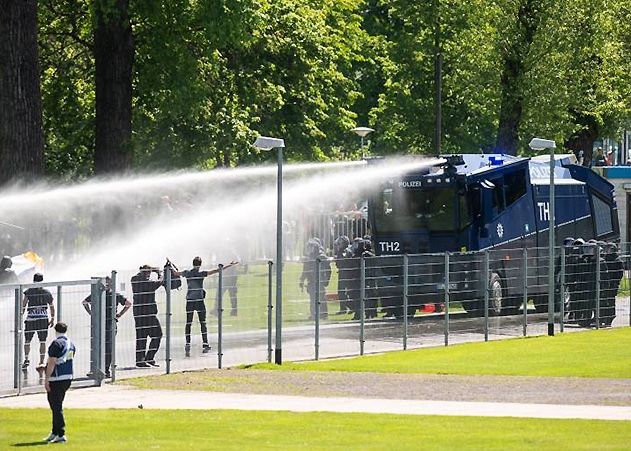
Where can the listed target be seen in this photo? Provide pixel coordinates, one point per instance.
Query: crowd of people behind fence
(585, 263)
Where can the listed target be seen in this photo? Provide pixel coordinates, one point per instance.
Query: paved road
(122, 397)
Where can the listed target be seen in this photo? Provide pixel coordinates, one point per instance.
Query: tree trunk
(583, 140)
(512, 75)
(21, 135)
(114, 58)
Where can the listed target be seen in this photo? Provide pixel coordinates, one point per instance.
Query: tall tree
(21, 136)
(114, 59)
(515, 45)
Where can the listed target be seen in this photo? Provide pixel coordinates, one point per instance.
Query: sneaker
(142, 365)
(187, 350)
(206, 349)
(233, 312)
(49, 438)
(108, 374)
(152, 363)
(58, 439)
(25, 364)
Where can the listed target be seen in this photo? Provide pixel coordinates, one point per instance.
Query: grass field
(602, 353)
(227, 430)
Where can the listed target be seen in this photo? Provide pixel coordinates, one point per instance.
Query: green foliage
(209, 76)
(68, 96)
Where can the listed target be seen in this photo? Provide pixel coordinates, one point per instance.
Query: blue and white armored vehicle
(484, 201)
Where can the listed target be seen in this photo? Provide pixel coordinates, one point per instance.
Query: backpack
(176, 281)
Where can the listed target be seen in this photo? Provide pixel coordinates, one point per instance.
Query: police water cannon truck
(476, 202)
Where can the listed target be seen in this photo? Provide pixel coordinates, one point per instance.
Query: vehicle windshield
(408, 209)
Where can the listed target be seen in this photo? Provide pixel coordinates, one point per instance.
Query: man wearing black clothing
(195, 295)
(120, 300)
(146, 315)
(36, 302)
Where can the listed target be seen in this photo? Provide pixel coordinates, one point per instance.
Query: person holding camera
(145, 312)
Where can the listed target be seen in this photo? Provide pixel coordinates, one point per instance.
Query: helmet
(6, 262)
(313, 248)
(358, 247)
(341, 243)
(568, 241)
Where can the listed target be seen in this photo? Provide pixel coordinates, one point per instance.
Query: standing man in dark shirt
(120, 300)
(36, 302)
(58, 378)
(146, 315)
(195, 295)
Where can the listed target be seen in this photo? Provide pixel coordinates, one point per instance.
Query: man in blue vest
(57, 381)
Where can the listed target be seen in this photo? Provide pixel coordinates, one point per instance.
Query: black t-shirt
(195, 284)
(120, 300)
(144, 295)
(38, 299)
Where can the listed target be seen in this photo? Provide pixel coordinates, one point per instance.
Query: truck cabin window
(409, 209)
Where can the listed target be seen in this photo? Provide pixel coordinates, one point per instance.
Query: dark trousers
(56, 397)
(312, 302)
(147, 326)
(231, 288)
(191, 308)
(108, 346)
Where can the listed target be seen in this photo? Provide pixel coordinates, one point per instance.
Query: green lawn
(226, 430)
(603, 353)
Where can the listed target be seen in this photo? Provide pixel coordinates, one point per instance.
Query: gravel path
(506, 389)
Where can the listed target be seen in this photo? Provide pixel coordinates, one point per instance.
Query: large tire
(497, 296)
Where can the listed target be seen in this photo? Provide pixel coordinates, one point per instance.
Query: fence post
(220, 318)
(446, 298)
(362, 302)
(405, 300)
(317, 308)
(114, 327)
(485, 275)
(269, 311)
(525, 291)
(597, 286)
(17, 341)
(562, 288)
(167, 273)
(97, 325)
(59, 306)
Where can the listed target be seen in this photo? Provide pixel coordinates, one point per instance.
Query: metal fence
(330, 308)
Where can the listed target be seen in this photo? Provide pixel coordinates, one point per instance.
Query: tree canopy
(206, 77)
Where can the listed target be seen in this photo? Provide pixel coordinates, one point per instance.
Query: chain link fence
(331, 308)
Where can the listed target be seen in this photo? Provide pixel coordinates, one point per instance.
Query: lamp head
(265, 142)
(540, 144)
(362, 131)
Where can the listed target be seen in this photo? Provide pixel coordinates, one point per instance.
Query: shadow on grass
(37, 443)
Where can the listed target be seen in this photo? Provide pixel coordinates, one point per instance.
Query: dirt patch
(517, 389)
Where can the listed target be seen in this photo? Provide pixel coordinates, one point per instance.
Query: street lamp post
(541, 144)
(362, 132)
(264, 142)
